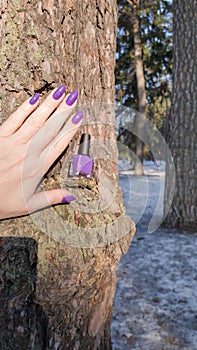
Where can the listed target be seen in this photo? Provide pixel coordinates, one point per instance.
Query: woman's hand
(31, 140)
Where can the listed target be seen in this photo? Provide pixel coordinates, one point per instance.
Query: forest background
(155, 35)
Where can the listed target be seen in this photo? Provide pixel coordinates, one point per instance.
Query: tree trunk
(138, 168)
(58, 266)
(182, 120)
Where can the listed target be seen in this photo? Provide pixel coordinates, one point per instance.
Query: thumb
(45, 199)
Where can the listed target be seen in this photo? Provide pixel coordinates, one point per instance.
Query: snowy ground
(155, 305)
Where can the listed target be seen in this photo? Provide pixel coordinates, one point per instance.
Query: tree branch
(132, 2)
(126, 13)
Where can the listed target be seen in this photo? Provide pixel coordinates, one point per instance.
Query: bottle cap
(84, 145)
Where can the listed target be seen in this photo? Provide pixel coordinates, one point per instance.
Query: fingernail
(34, 99)
(68, 199)
(77, 117)
(59, 92)
(72, 98)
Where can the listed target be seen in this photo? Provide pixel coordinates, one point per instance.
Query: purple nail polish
(72, 98)
(77, 117)
(34, 99)
(59, 92)
(68, 199)
(82, 164)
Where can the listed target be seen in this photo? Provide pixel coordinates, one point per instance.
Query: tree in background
(58, 294)
(155, 34)
(182, 130)
(141, 90)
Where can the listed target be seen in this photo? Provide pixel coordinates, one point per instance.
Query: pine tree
(58, 282)
(182, 130)
(156, 39)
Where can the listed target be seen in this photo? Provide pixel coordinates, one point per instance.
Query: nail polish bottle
(82, 164)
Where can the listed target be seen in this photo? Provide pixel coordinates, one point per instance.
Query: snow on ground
(155, 306)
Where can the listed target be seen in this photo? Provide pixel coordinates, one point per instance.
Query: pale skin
(31, 139)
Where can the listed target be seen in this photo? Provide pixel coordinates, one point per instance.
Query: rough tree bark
(183, 120)
(56, 294)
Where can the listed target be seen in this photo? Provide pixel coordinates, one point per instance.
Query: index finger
(14, 122)
(41, 114)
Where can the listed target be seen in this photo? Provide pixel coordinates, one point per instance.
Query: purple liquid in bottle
(82, 164)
